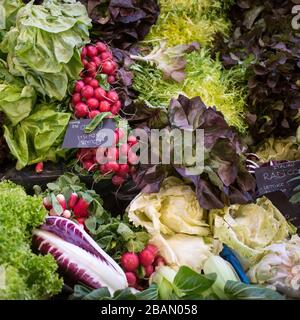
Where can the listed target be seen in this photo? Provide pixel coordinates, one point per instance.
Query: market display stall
(86, 86)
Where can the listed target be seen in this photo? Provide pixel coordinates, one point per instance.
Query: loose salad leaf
(249, 229)
(3, 146)
(8, 11)
(242, 291)
(121, 23)
(169, 60)
(19, 215)
(60, 28)
(38, 137)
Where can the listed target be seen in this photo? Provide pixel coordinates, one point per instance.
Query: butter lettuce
(174, 209)
(43, 47)
(38, 137)
(175, 222)
(249, 229)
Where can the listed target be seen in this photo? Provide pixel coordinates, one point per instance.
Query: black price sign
(102, 136)
(278, 183)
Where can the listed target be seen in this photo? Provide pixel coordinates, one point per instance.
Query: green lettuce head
(43, 47)
(249, 229)
(280, 267)
(174, 219)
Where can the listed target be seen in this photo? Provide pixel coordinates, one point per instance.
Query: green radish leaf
(98, 294)
(190, 282)
(149, 294)
(96, 122)
(55, 204)
(295, 198)
(241, 291)
(102, 79)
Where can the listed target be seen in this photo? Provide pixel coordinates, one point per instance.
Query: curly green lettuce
(24, 274)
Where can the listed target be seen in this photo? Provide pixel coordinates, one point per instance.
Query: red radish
(112, 166)
(84, 51)
(149, 270)
(120, 133)
(81, 110)
(94, 83)
(79, 85)
(96, 60)
(92, 103)
(88, 165)
(106, 55)
(91, 51)
(84, 62)
(87, 80)
(114, 110)
(73, 200)
(123, 169)
(113, 154)
(124, 149)
(146, 257)
(67, 214)
(130, 261)
(131, 279)
(76, 98)
(152, 248)
(47, 203)
(117, 104)
(111, 79)
(101, 47)
(87, 92)
(81, 208)
(133, 158)
(81, 222)
(132, 140)
(117, 180)
(39, 167)
(100, 94)
(104, 106)
(85, 154)
(159, 261)
(62, 201)
(108, 67)
(91, 68)
(112, 95)
(93, 114)
(103, 168)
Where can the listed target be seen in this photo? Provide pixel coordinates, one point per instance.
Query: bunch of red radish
(76, 207)
(89, 98)
(139, 267)
(89, 158)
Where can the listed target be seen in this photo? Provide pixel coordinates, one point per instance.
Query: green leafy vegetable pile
(204, 77)
(43, 46)
(225, 179)
(264, 41)
(121, 23)
(185, 21)
(27, 275)
(186, 284)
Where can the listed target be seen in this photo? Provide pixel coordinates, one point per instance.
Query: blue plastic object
(229, 256)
